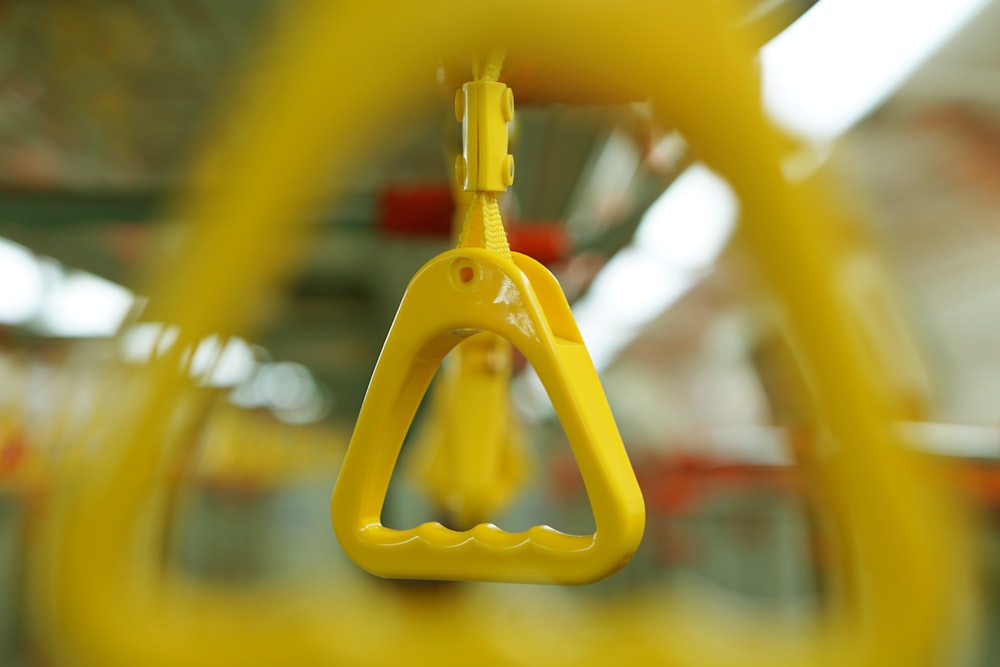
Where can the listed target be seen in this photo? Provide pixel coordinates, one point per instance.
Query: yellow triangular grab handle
(455, 295)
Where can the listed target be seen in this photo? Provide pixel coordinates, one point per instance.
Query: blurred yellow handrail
(326, 92)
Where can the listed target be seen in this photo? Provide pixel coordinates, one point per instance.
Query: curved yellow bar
(332, 83)
(461, 293)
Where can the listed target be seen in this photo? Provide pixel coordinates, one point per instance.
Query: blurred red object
(12, 453)
(416, 210)
(428, 209)
(546, 242)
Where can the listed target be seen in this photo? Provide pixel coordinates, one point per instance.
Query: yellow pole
(340, 75)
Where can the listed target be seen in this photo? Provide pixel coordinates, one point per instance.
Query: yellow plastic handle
(471, 403)
(458, 294)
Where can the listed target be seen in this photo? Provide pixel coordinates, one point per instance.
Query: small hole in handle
(463, 273)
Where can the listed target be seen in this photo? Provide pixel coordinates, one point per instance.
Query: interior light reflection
(845, 57)
(83, 305)
(22, 281)
(690, 223)
(678, 239)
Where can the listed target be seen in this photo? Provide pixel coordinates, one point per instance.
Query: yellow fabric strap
(483, 226)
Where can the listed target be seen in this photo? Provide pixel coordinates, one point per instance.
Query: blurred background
(104, 104)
